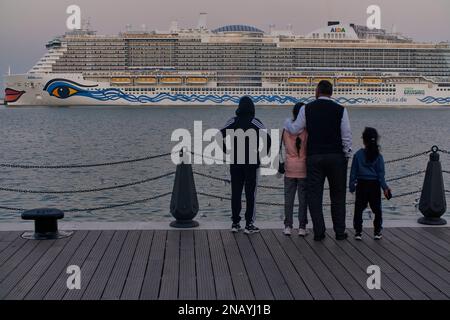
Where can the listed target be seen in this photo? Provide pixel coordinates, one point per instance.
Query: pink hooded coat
(295, 162)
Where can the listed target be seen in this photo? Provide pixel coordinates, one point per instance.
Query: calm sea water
(100, 134)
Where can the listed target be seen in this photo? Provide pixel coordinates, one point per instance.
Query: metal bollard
(432, 202)
(45, 224)
(184, 203)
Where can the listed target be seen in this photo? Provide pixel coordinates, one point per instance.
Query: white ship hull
(73, 90)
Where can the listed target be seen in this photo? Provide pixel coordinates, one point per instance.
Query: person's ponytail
(370, 139)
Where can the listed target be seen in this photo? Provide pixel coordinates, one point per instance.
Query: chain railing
(135, 183)
(143, 181)
(73, 166)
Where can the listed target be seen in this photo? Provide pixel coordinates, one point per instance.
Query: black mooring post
(432, 200)
(45, 224)
(184, 203)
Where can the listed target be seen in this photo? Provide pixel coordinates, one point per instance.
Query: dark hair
(325, 87)
(295, 112)
(370, 138)
(296, 109)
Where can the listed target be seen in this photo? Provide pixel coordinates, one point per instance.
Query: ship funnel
(174, 26)
(202, 21)
(271, 28)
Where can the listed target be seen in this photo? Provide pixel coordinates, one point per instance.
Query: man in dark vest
(328, 150)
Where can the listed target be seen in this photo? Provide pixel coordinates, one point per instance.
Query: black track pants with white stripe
(243, 176)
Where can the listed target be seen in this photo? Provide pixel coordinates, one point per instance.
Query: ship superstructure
(202, 66)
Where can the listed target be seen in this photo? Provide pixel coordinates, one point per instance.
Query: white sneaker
(287, 231)
(303, 232)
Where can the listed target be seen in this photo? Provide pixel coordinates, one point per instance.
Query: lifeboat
(146, 80)
(347, 81)
(121, 80)
(317, 80)
(196, 80)
(298, 80)
(171, 80)
(371, 81)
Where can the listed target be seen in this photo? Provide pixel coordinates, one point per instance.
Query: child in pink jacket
(295, 177)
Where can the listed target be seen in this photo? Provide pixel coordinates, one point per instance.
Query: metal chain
(406, 176)
(282, 204)
(99, 208)
(229, 181)
(12, 208)
(88, 190)
(282, 188)
(408, 157)
(120, 204)
(69, 166)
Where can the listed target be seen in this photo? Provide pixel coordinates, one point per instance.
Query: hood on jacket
(246, 107)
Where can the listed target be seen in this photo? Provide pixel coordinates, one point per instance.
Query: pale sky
(26, 25)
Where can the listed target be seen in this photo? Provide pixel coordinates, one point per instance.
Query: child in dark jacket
(367, 179)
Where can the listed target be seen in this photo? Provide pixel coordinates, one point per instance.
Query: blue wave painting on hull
(61, 89)
(430, 100)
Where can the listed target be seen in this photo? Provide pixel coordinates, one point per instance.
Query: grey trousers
(293, 186)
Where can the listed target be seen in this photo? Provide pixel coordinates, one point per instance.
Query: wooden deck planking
(376, 256)
(206, 288)
(274, 277)
(135, 278)
(430, 254)
(188, 279)
(353, 287)
(116, 280)
(424, 257)
(90, 265)
(256, 276)
(358, 274)
(170, 275)
(430, 241)
(333, 286)
(94, 289)
(59, 287)
(47, 279)
(241, 282)
(152, 277)
(15, 256)
(33, 258)
(389, 286)
(222, 274)
(306, 272)
(215, 264)
(292, 278)
(428, 281)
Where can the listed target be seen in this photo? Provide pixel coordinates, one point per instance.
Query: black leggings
(368, 192)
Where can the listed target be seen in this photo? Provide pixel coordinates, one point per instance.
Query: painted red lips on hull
(12, 95)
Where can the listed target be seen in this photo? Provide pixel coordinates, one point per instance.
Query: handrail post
(432, 202)
(184, 203)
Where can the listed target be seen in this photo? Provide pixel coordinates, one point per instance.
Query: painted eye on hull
(63, 92)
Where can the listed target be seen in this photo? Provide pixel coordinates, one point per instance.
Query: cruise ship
(202, 66)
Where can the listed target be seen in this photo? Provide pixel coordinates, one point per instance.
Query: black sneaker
(249, 229)
(319, 237)
(235, 227)
(342, 236)
(378, 236)
(358, 236)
